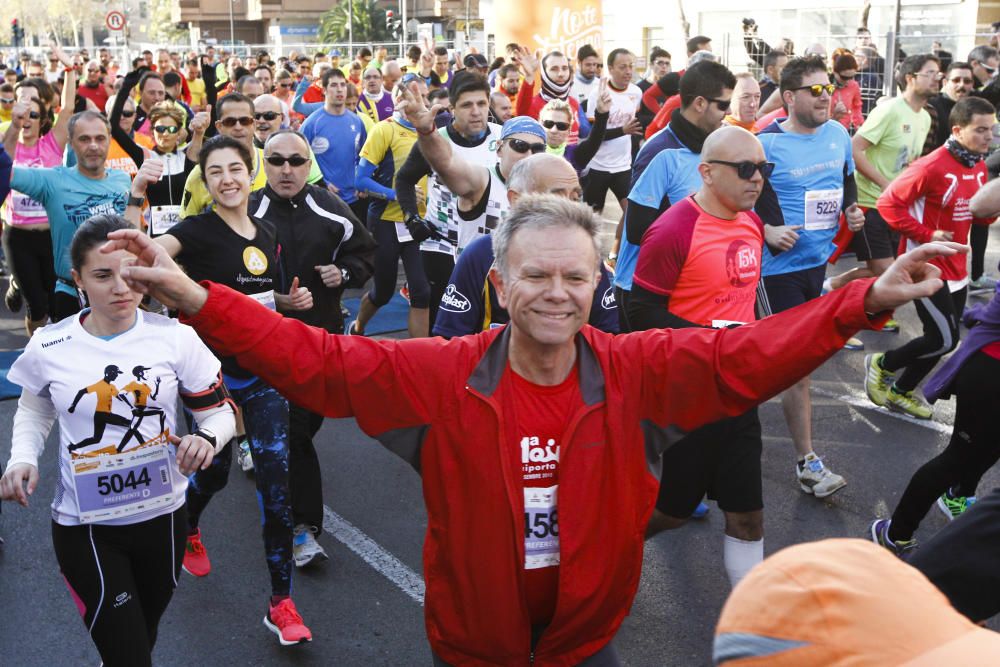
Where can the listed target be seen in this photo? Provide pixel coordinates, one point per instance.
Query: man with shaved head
(699, 265)
(469, 304)
(391, 74)
(269, 114)
(327, 249)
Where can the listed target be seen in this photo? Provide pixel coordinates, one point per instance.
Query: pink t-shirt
(22, 209)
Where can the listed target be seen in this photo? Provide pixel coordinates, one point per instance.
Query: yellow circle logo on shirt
(254, 260)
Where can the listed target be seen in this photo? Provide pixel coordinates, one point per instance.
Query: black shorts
(722, 460)
(787, 290)
(597, 184)
(876, 240)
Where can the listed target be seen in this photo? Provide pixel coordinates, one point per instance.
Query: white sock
(827, 285)
(740, 556)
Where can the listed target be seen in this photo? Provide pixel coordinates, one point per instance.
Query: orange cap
(845, 602)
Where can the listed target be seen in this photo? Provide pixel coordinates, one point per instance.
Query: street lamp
(232, 32)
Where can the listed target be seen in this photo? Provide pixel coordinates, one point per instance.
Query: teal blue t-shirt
(70, 198)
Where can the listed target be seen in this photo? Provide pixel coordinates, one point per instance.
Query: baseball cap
(475, 60)
(335, 53)
(522, 124)
(844, 602)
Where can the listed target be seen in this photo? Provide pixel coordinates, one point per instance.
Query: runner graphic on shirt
(102, 412)
(142, 393)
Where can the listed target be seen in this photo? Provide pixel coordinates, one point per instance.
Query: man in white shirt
(611, 167)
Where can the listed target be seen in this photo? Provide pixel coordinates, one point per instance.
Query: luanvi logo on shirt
(122, 598)
(53, 342)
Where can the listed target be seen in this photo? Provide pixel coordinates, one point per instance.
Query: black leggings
(305, 482)
(387, 255)
(940, 314)
(974, 446)
(122, 579)
(979, 235)
(29, 254)
(438, 267)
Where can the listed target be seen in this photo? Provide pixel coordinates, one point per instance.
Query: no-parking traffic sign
(115, 20)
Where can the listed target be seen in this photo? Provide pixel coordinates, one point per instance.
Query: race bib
(541, 528)
(823, 209)
(26, 207)
(115, 486)
(162, 218)
(265, 299)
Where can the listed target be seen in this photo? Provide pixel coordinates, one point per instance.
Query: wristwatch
(207, 435)
(136, 201)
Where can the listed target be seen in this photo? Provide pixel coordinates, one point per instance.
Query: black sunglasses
(746, 168)
(167, 129)
(266, 115)
(280, 160)
(522, 146)
(245, 121)
(7, 100)
(287, 85)
(723, 105)
(818, 89)
(549, 124)
(127, 114)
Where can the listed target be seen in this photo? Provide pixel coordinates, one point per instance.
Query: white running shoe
(305, 548)
(817, 479)
(243, 457)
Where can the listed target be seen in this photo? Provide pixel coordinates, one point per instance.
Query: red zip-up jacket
(933, 193)
(434, 402)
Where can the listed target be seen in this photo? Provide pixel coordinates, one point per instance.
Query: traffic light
(392, 23)
(16, 31)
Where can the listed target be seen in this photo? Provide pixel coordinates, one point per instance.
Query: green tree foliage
(369, 23)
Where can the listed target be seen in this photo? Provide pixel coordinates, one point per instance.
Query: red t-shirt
(707, 266)
(539, 417)
(98, 95)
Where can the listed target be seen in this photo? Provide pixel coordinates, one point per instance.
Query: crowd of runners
(179, 232)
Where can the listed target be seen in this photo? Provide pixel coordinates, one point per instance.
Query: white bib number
(265, 299)
(823, 209)
(115, 486)
(541, 528)
(162, 218)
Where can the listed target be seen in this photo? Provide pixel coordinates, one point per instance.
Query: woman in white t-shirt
(112, 375)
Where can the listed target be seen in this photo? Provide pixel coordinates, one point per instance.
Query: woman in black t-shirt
(229, 247)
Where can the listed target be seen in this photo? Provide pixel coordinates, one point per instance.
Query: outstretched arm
(466, 181)
(742, 378)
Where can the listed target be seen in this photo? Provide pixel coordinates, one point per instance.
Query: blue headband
(522, 125)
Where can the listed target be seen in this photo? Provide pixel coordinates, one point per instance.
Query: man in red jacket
(526, 437)
(929, 202)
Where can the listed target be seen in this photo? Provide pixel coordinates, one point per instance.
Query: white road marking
(859, 400)
(856, 416)
(372, 553)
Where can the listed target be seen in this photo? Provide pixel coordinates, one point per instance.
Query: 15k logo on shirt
(742, 263)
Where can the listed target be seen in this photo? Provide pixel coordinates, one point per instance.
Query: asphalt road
(361, 616)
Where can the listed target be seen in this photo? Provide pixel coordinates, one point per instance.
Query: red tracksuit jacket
(933, 193)
(434, 403)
